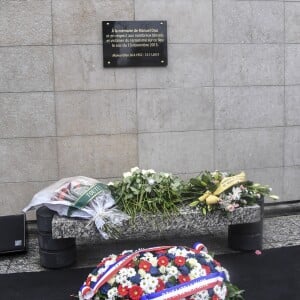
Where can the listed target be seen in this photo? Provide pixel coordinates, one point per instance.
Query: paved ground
(279, 231)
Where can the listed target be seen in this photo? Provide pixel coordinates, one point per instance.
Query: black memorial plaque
(134, 43)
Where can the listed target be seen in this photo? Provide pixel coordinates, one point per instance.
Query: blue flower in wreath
(154, 271)
(136, 279)
(105, 288)
(170, 256)
(184, 270)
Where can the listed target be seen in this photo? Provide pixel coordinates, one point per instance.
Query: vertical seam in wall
(213, 84)
(284, 103)
(136, 106)
(54, 93)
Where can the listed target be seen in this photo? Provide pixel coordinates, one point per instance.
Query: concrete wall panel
(292, 146)
(246, 107)
(291, 183)
(188, 23)
(96, 112)
(292, 98)
(80, 67)
(177, 152)
(79, 21)
(249, 148)
(248, 21)
(252, 64)
(292, 64)
(292, 23)
(26, 69)
(25, 22)
(27, 115)
(175, 109)
(15, 196)
(97, 156)
(28, 159)
(189, 66)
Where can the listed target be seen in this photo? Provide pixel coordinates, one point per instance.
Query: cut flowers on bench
(147, 191)
(224, 191)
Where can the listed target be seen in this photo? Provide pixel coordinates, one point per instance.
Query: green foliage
(233, 292)
(145, 191)
(238, 195)
(148, 192)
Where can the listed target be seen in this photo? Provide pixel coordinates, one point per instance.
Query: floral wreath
(162, 273)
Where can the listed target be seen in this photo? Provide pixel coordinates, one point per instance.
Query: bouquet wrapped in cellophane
(82, 197)
(162, 273)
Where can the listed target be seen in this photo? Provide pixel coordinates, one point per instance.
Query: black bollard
(247, 237)
(54, 253)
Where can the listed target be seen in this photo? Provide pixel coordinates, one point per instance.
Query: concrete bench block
(146, 227)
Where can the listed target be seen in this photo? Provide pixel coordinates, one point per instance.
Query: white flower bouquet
(82, 197)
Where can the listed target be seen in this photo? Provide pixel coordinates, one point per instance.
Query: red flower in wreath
(179, 261)
(215, 297)
(162, 261)
(122, 290)
(135, 292)
(207, 269)
(145, 265)
(160, 286)
(130, 264)
(183, 278)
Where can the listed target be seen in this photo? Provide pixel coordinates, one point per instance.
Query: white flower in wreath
(134, 169)
(192, 262)
(112, 293)
(181, 252)
(142, 273)
(220, 291)
(223, 270)
(120, 278)
(197, 272)
(147, 276)
(207, 257)
(203, 295)
(172, 270)
(147, 255)
(123, 272)
(131, 272)
(165, 277)
(149, 284)
(153, 261)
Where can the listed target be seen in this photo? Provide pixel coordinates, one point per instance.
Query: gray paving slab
(4, 264)
(26, 263)
(281, 229)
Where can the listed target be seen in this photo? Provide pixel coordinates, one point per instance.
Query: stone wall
(229, 98)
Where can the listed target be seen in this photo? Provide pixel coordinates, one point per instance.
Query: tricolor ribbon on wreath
(90, 288)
